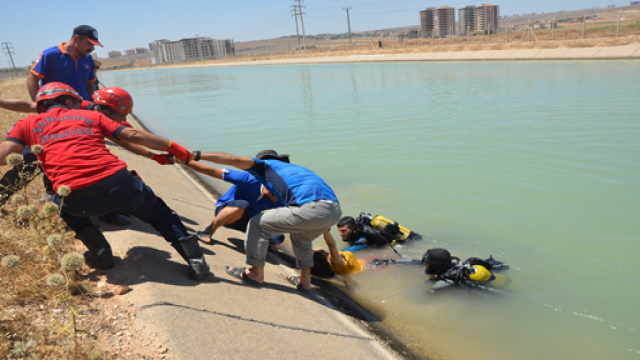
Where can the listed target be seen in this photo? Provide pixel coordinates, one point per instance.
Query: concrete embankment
(626, 52)
(220, 317)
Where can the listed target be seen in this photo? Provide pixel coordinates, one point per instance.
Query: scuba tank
(399, 232)
(381, 231)
(472, 274)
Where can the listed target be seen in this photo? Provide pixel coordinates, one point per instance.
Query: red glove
(163, 159)
(179, 152)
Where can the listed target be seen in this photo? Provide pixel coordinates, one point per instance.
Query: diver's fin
(495, 264)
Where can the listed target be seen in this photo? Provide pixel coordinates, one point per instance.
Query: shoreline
(622, 52)
(368, 321)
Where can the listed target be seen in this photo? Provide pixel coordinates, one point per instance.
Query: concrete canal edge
(369, 322)
(625, 52)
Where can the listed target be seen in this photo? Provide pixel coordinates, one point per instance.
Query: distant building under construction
(437, 22)
(467, 20)
(427, 22)
(191, 49)
(445, 21)
(478, 19)
(486, 18)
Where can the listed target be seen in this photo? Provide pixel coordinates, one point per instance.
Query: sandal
(295, 281)
(205, 237)
(240, 273)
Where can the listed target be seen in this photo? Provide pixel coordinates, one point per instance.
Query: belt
(117, 179)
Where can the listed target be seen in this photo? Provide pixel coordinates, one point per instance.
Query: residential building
(191, 49)
(445, 21)
(130, 52)
(487, 18)
(114, 53)
(427, 22)
(141, 50)
(467, 19)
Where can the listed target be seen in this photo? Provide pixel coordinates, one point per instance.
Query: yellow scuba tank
(399, 232)
(479, 274)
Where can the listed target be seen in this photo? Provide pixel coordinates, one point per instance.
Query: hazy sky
(32, 26)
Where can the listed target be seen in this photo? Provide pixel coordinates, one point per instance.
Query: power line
(295, 14)
(304, 44)
(348, 22)
(266, 22)
(370, 5)
(10, 50)
(380, 12)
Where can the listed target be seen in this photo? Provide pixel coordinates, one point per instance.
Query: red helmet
(114, 97)
(54, 89)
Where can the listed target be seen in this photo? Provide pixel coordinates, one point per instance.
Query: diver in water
(446, 270)
(368, 230)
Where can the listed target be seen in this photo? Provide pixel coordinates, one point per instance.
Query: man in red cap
(69, 63)
(93, 181)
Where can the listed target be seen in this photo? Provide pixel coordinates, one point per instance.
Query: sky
(128, 24)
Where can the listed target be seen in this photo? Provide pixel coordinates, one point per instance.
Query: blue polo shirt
(246, 187)
(55, 64)
(293, 184)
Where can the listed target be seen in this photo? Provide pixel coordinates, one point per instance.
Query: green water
(535, 163)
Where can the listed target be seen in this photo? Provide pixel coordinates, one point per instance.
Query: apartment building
(437, 22)
(486, 18)
(466, 20)
(191, 49)
(445, 21)
(427, 22)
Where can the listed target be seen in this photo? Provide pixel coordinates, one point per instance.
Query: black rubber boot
(189, 249)
(99, 255)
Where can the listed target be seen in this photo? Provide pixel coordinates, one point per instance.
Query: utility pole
(295, 14)
(618, 27)
(348, 23)
(299, 6)
(9, 50)
(507, 32)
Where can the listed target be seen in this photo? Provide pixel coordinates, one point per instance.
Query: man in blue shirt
(69, 63)
(310, 207)
(246, 198)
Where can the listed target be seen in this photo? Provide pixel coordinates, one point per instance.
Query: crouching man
(70, 147)
(308, 206)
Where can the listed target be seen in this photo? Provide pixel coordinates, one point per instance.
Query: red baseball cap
(88, 32)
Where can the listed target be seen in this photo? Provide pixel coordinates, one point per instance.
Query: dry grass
(39, 321)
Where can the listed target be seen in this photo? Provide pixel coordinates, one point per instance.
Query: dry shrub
(549, 45)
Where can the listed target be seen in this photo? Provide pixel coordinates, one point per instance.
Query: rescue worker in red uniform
(74, 155)
(115, 103)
